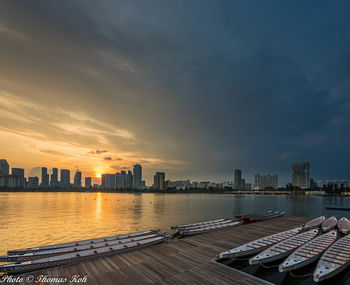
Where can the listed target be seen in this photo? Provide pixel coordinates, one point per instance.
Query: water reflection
(31, 219)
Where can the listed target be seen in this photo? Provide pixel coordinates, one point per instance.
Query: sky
(193, 88)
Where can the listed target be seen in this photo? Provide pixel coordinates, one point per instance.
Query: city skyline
(192, 90)
(300, 177)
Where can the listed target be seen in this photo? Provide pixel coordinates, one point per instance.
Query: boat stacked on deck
(213, 225)
(204, 227)
(318, 239)
(35, 258)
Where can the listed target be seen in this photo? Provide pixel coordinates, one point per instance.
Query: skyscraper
(137, 176)
(108, 181)
(237, 179)
(263, 181)
(77, 179)
(87, 182)
(44, 178)
(54, 178)
(159, 180)
(257, 181)
(4, 167)
(65, 178)
(17, 172)
(129, 179)
(121, 180)
(301, 175)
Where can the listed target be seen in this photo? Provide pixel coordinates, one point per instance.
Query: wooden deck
(186, 261)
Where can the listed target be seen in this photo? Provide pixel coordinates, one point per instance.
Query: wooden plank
(185, 261)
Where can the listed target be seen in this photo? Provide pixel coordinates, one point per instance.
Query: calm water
(33, 219)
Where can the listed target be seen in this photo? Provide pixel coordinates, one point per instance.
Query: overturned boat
(283, 248)
(209, 228)
(198, 224)
(329, 224)
(334, 260)
(343, 226)
(309, 252)
(259, 245)
(80, 256)
(78, 243)
(315, 223)
(65, 250)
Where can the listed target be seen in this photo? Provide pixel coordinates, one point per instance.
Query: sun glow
(98, 175)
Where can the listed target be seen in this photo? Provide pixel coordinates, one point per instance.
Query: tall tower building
(44, 178)
(137, 176)
(159, 180)
(54, 178)
(237, 179)
(301, 175)
(77, 179)
(257, 181)
(65, 178)
(87, 182)
(4, 168)
(129, 179)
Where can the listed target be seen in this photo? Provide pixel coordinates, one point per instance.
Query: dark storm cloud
(219, 85)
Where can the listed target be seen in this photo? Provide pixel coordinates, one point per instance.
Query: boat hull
(76, 258)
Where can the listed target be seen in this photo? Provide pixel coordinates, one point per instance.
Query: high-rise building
(77, 179)
(242, 184)
(237, 179)
(33, 182)
(263, 181)
(121, 180)
(108, 181)
(137, 179)
(129, 179)
(257, 181)
(54, 178)
(319, 183)
(301, 175)
(65, 178)
(87, 182)
(159, 180)
(4, 167)
(44, 178)
(17, 172)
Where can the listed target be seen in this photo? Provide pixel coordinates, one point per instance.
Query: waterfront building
(54, 178)
(33, 182)
(203, 184)
(65, 178)
(120, 180)
(159, 180)
(179, 185)
(319, 183)
(263, 181)
(237, 179)
(242, 184)
(137, 179)
(129, 179)
(77, 179)
(17, 172)
(44, 178)
(248, 186)
(227, 184)
(108, 181)
(257, 181)
(4, 167)
(87, 182)
(301, 175)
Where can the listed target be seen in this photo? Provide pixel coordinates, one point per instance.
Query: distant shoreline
(170, 191)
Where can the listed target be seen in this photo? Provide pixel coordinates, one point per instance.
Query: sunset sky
(192, 88)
